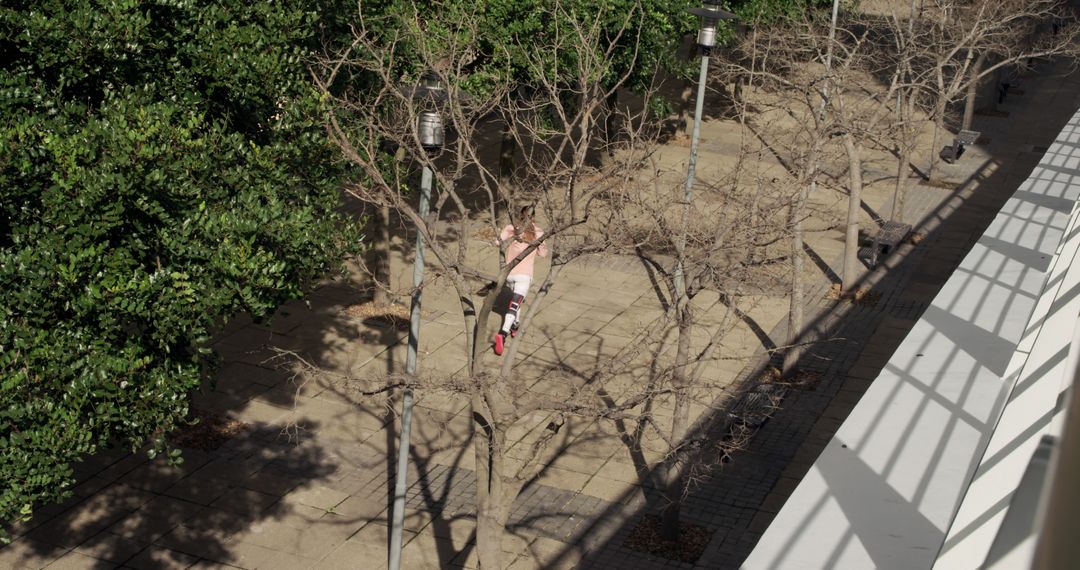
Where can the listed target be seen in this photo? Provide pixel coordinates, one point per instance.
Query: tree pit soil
(804, 380)
(861, 296)
(645, 537)
(942, 184)
(393, 315)
(990, 113)
(208, 432)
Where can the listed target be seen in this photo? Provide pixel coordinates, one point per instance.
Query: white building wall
(884, 492)
(1037, 399)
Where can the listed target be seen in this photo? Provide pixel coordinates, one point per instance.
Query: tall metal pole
(401, 476)
(710, 14)
(691, 169)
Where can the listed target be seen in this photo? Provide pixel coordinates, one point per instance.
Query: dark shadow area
(762, 336)
(502, 303)
(145, 513)
(821, 264)
(652, 269)
(873, 215)
(440, 499)
(719, 102)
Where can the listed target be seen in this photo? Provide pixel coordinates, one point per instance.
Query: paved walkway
(862, 338)
(307, 486)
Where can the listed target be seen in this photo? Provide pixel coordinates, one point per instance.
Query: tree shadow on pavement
(739, 501)
(142, 513)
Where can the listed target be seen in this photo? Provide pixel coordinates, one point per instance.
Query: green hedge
(162, 167)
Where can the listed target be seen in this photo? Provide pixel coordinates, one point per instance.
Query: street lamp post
(431, 134)
(710, 14)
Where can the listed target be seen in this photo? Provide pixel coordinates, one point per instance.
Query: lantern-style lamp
(430, 83)
(431, 130)
(710, 14)
(430, 123)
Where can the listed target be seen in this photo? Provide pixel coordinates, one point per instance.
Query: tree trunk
(900, 192)
(381, 262)
(795, 314)
(673, 475)
(507, 147)
(996, 84)
(491, 508)
(683, 122)
(755, 205)
(795, 221)
(907, 108)
(851, 238)
(939, 125)
(611, 128)
(973, 92)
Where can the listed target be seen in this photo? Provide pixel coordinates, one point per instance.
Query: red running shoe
(513, 331)
(499, 339)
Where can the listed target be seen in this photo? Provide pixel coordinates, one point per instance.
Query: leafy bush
(162, 166)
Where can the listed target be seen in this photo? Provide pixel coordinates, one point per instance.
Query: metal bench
(951, 153)
(887, 238)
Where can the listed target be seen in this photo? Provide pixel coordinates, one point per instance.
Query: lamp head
(430, 82)
(710, 14)
(431, 131)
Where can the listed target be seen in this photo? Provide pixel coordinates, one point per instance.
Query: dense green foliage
(511, 36)
(647, 33)
(162, 167)
(770, 10)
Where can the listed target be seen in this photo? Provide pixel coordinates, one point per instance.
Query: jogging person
(521, 275)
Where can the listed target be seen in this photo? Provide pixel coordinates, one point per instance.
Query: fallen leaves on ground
(646, 538)
(804, 380)
(209, 432)
(392, 314)
(861, 296)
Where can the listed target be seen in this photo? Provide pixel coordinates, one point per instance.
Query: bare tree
(859, 106)
(553, 125)
(698, 245)
(961, 42)
(824, 77)
(787, 60)
(906, 127)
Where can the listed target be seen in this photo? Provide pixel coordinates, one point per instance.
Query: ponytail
(528, 233)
